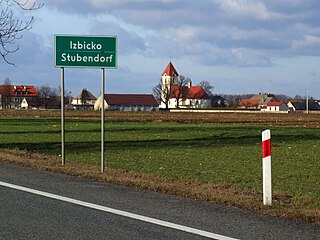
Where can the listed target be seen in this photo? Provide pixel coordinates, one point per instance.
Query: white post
(266, 167)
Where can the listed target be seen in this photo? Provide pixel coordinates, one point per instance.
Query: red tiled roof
(20, 90)
(195, 92)
(170, 70)
(249, 102)
(274, 104)
(295, 100)
(131, 99)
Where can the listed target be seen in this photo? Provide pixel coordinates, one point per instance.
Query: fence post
(266, 167)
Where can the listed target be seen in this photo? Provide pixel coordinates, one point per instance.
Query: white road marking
(119, 212)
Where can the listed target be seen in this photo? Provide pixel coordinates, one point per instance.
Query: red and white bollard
(266, 167)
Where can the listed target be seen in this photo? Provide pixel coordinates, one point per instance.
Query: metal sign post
(62, 118)
(89, 52)
(102, 119)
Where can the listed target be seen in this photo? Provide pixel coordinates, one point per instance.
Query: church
(178, 94)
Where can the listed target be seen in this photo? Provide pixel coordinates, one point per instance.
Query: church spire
(170, 70)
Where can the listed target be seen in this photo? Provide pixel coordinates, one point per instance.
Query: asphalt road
(42, 205)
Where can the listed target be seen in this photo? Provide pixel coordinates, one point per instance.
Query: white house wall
(24, 104)
(188, 103)
(79, 102)
(282, 108)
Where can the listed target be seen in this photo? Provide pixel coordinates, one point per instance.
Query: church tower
(170, 78)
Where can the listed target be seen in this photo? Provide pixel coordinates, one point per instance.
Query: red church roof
(20, 90)
(195, 92)
(170, 70)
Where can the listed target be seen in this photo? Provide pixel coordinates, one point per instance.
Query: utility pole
(307, 101)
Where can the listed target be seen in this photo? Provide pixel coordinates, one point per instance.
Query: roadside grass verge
(214, 162)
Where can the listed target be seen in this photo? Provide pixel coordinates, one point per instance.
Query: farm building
(298, 105)
(128, 102)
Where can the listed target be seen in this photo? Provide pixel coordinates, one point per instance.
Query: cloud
(309, 41)
(240, 8)
(206, 34)
(185, 29)
(129, 41)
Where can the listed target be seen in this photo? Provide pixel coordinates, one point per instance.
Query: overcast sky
(239, 46)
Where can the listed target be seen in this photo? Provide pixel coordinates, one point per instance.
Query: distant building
(275, 107)
(249, 103)
(301, 105)
(29, 103)
(190, 97)
(181, 96)
(11, 96)
(41, 103)
(128, 102)
(84, 100)
(258, 101)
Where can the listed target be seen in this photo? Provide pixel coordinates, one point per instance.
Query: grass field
(226, 153)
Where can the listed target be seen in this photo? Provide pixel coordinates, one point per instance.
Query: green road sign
(85, 51)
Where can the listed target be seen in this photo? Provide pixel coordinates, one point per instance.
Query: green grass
(207, 152)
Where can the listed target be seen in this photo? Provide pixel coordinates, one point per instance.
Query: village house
(249, 103)
(128, 102)
(28, 103)
(11, 96)
(181, 96)
(84, 100)
(258, 101)
(275, 107)
(41, 103)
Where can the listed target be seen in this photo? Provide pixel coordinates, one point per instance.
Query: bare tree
(207, 87)
(162, 93)
(46, 93)
(86, 97)
(180, 92)
(5, 94)
(298, 97)
(11, 25)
